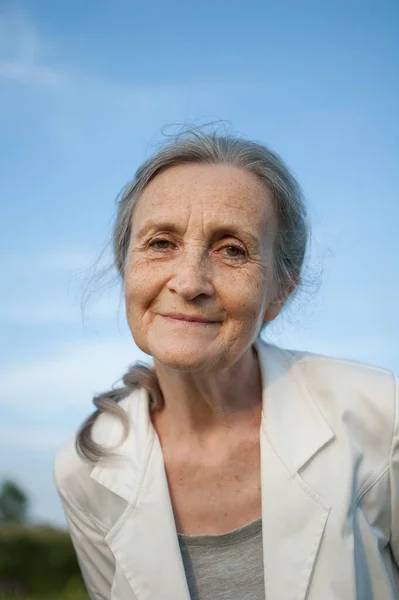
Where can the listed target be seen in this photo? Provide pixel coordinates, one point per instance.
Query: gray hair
(197, 146)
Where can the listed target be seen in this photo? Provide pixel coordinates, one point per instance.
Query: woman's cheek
(144, 282)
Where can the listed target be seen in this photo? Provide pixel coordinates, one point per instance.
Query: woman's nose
(192, 277)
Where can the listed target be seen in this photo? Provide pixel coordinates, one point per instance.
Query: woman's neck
(201, 404)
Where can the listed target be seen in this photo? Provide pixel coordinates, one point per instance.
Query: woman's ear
(273, 310)
(274, 307)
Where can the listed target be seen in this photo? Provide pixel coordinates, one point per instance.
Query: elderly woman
(231, 468)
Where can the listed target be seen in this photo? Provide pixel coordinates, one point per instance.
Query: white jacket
(330, 490)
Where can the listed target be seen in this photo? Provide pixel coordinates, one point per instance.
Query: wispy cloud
(70, 286)
(83, 107)
(39, 311)
(27, 56)
(23, 70)
(63, 261)
(22, 53)
(70, 261)
(68, 379)
(30, 438)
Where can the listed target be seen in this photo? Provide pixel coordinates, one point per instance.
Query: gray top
(226, 566)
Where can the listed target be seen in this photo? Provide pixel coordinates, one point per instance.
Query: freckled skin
(201, 244)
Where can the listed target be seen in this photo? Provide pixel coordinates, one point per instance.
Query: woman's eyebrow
(153, 226)
(217, 231)
(232, 230)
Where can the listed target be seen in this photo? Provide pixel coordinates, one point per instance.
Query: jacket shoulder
(68, 465)
(319, 368)
(72, 472)
(76, 477)
(354, 397)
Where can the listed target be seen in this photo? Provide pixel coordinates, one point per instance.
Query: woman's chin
(185, 357)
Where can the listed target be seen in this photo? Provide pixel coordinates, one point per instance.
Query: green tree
(13, 503)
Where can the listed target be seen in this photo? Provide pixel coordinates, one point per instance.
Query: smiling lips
(189, 318)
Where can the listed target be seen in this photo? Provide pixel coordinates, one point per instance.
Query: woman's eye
(160, 244)
(234, 251)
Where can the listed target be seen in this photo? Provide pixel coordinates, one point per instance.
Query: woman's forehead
(222, 193)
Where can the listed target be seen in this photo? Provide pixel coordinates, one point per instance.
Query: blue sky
(85, 90)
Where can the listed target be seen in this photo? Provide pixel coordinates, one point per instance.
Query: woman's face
(199, 271)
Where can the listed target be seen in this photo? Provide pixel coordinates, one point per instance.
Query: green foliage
(75, 594)
(40, 562)
(13, 503)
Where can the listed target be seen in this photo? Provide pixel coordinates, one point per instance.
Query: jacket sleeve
(95, 559)
(395, 481)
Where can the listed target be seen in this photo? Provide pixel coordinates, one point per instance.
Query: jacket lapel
(293, 515)
(144, 539)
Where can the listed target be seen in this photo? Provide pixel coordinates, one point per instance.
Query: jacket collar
(123, 473)
(144, 540)
(290, 418)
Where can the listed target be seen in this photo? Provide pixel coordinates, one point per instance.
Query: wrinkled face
(199, 277)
